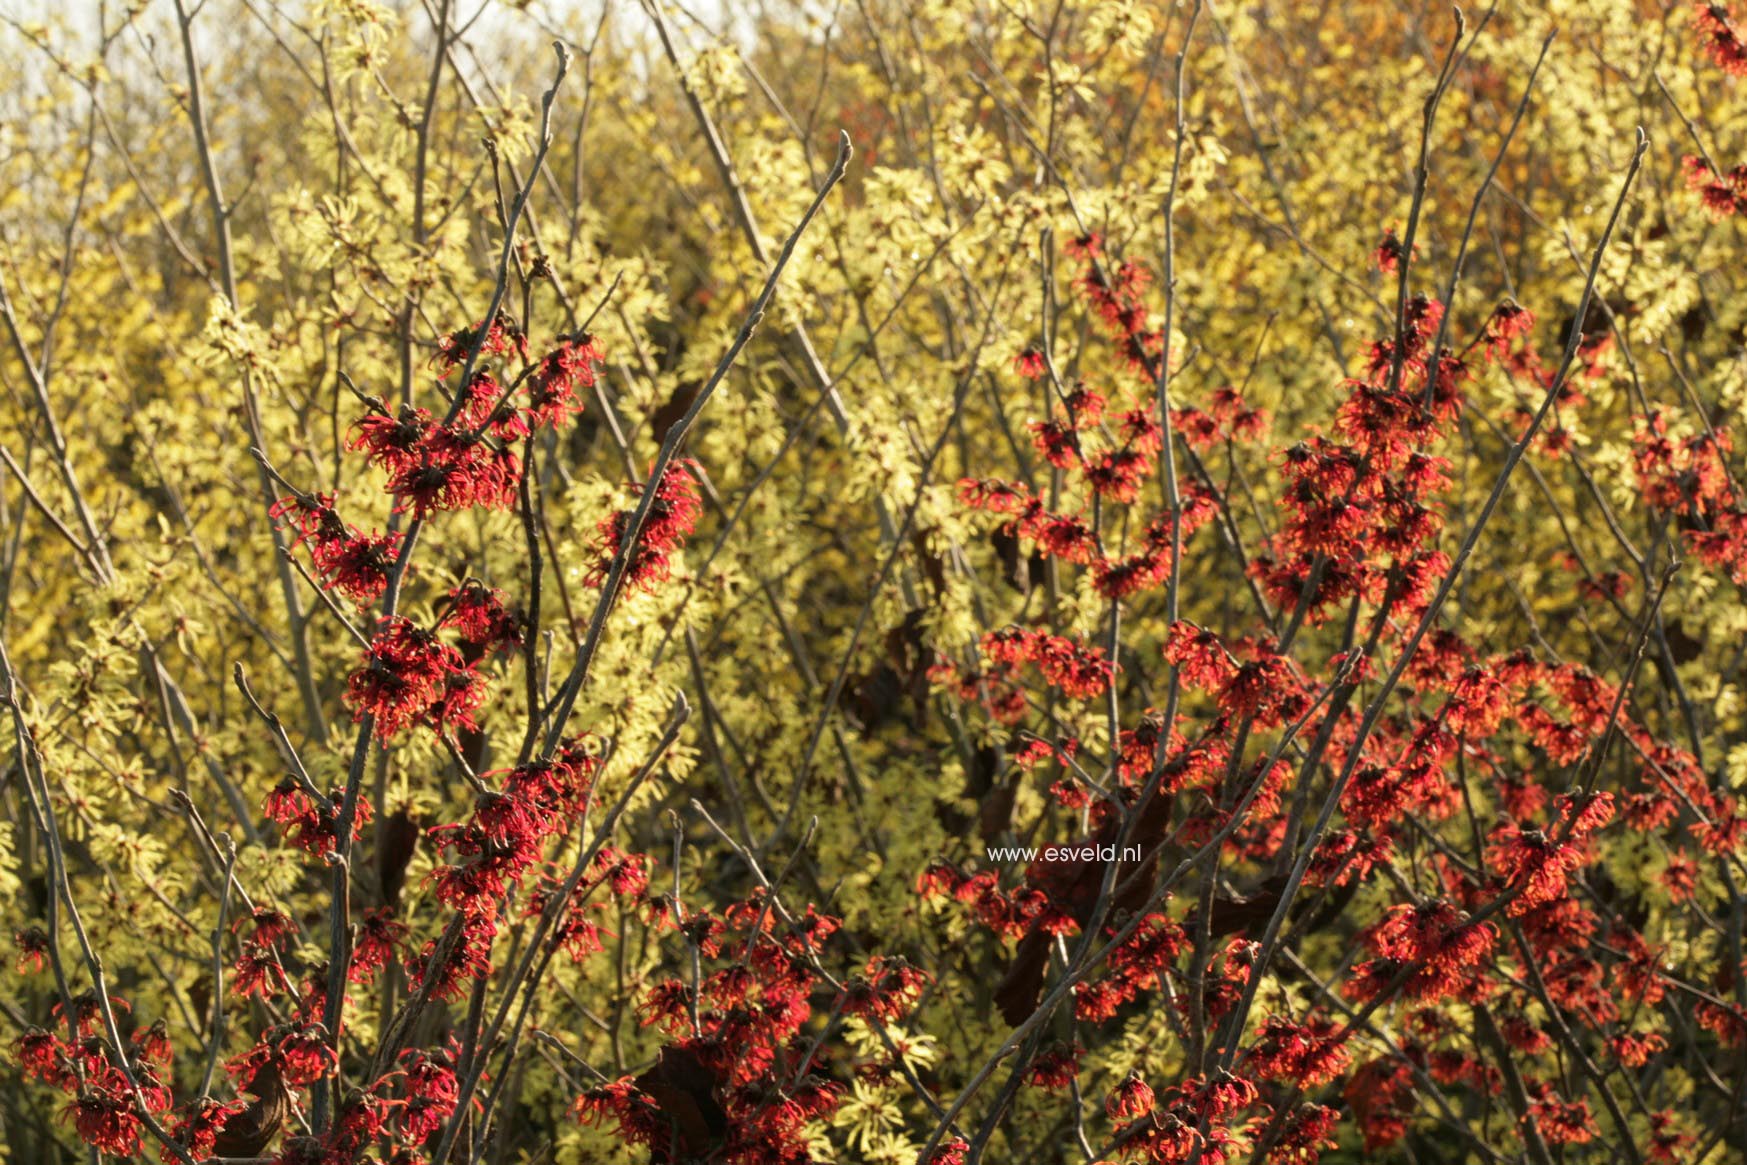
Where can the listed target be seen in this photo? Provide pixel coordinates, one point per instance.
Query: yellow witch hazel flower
(1126, 26)
(230, 339)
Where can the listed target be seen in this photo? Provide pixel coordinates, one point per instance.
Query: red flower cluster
(433, 466)
(310, 822)
(1361, 516)
(1080, 672)
(1306, 1054)
(736, 1085)
(1689, 477)
(346, 559)
(409, 677)
(1537, 863)
(1719, 39)
(466, 460)
(502, 842)
(502, 337)
(564, 371)
(1389, 252)
(1434, 943)
(480, 615)
(1197, 1120)
(1722, 194)
(672, 516)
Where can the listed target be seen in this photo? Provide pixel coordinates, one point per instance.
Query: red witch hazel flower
(33, 949)
(432, 1093)
(196, 1129)
(392, 442)
(1080, 672)
(105, 1118)
(1563, 1122)
(1305, 1054)
(43, 1057)
(887, 991)
(1130, 1099)
(1722, 194)
(1434, 937)
(501, 338)
(406, 674)
(482, 618)
(456, 471)
(673, 515)
(378, 937)
(1509, 321)
(432, 466)
(1721, 42)
(450, 969)
(563, 372)
(1055, 1068)
(1537, 862)
(486, 407)
(1030, 363)
(346, 559)
(1389, 252)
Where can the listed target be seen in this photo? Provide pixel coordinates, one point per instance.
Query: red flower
(256, 973)
(1387, 255)
(315, 828)
(197, 1127)
(1306, 1054)
(552, 389)
(1056, 1067)
(455, 472)
(1080, 672)
(672, 516)
(1719, 39)
(887, 990)
(1634, 1049)
(1508, 321)
(635, 1114)
(1257, 689)
(1563, 1123)
(405, 672)
(1199, 656)
(33, 949)
(1132, 1098)
(86, 1012)
(1219, 1096)
(624, 873)
(487, 407)
(468, 959)
(106, 1119)
(463, 693)
(303, 1055)
(501, 338)
(44, 1057)
(271, 926)
(1307, 1132)
(1438, 937)
(1030, 363)
(378, 937)
(1531, 860)
(392, 443)
(479, 614)
(346, 559)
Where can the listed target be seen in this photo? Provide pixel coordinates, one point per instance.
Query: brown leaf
(685, 1093)
(669, 414)
(397, 839)
(248, 1132)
